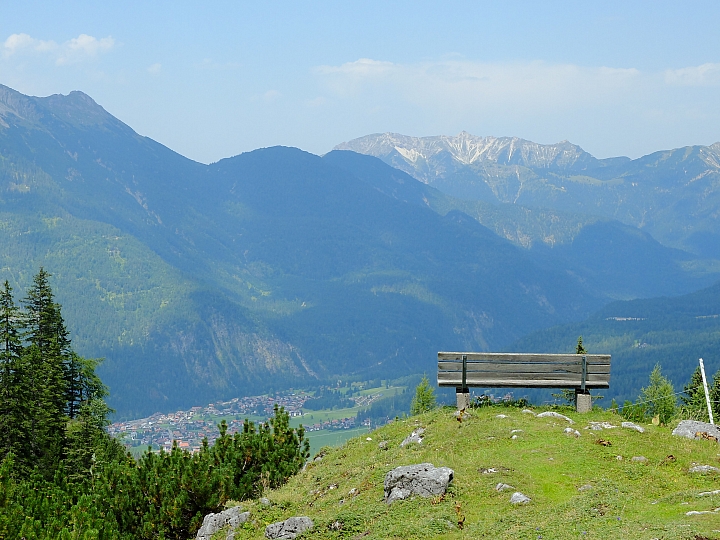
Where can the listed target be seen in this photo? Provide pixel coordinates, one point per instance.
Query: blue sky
(215, 79)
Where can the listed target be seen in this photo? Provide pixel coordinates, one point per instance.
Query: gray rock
(572, 432)
(599, 426)
(703, 469)
(503, 487)
(709, 493)
(632, 425)
(553, 414)
(264, 501)
(519, 498)
(232, 517)
(501, 416)
(383, 445)
(527, 411)
(701, 512)
(288, 529)
(414, 437)
(586, 487)
(424, 479)
(640, 459)
(688, 429)
(516, 431)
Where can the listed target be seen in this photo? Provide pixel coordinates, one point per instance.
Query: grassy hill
(627, 499)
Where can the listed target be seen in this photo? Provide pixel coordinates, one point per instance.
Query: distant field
(318, 439)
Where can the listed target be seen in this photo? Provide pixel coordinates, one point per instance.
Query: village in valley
(188, 428)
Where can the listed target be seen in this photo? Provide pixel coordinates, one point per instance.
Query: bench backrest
(522, 370)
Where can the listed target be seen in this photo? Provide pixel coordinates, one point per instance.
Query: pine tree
(659, 397)
(424, 399)
(693, 398)
(715, 396)
(13, 410)
(579, 348)
(48, 348)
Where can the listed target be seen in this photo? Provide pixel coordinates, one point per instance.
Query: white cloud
(74, 50)
(458, 84)
(83, 47)
(271, 95)
(155, 69)
(703, 75)
(18, 42)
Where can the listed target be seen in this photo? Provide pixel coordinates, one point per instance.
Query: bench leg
(583, 402)
(462, 396)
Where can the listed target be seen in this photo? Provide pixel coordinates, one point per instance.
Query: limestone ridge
(467, 149)
(671, 194)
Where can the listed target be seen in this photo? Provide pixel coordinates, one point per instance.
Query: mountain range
(277, 268)
(674, 195)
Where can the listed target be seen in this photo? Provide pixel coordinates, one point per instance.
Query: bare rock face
(692, 429)
(424, 479)
(288, 529)
(212, 523)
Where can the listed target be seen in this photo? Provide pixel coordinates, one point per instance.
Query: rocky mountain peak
(467, 149)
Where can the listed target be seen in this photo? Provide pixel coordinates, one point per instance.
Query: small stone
(369, 439)
(528, 411)
(288, 529)
(516, 431)
(519, 498)
(633, 425)
(619, 458)
(599, 426)
(333, 486)
(709, 493)
(503, 487)
(490, 470)
(553, 414)
(514, 437)
(572, 432)
(700, 512)
(414, 437)
(703, 469)
(501, 416)
(383, 445)
(353, 491)
(264, 501)
(586, 487)
(639, 459)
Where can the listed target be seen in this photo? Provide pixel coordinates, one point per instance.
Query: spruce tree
(13, 411)
(46, 355)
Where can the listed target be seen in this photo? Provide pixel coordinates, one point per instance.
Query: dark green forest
(63, 477)
(673, 332)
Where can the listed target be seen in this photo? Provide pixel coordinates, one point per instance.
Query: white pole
(707, 394)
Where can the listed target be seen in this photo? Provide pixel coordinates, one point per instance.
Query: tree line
(62, 476)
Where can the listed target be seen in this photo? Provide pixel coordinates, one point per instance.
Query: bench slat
(472, 377)
(505, 383)
(524, 357)
(488, 367)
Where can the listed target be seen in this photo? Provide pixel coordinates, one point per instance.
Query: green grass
(627, 499)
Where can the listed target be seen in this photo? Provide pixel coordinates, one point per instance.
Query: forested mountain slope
(271, 269)
(673, 332)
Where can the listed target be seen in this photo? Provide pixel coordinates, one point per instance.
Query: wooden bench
(522, 370)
